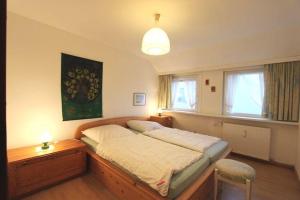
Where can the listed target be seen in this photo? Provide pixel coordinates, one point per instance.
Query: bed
(194, 182)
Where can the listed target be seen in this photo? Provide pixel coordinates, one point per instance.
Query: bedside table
(30, 170)
(163, 120)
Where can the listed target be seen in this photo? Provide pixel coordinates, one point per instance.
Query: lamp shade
(159, 110)
(156, 42)
(46, 137)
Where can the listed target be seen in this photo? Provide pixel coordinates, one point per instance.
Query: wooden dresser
(30, 169)
(163, 120)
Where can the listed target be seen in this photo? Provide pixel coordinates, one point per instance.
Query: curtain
(174, 92)
(244, 93)
(191, 93)
(164, 91)
(230, 91)
(183, 94)
(283, 90)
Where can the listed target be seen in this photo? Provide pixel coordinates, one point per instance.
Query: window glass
(244, 93)
(184, 94)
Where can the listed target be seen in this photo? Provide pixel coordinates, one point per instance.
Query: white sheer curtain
(184, 94)
(174, 92)
(191, 93)
(230, 91)
(244, 93)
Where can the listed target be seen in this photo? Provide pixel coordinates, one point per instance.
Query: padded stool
(235, 173)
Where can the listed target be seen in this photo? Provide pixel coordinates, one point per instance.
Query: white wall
(33, 80)
(211, 102)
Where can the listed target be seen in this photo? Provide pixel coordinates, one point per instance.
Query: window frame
(186, 78)
(241, 71)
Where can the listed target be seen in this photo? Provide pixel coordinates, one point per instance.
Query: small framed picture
(213, 88)
(139, 99)
(207, 82)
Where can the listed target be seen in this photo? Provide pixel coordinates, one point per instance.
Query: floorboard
(272, 183)
(82, 188)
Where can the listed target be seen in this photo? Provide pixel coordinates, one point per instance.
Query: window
(244, 93)
(184, 93)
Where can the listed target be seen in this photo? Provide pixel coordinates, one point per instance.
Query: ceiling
(204, 34)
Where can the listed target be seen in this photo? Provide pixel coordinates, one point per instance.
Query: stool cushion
(235, 170)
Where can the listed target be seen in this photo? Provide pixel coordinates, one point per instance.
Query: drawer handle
(24, 163)
(50, 157)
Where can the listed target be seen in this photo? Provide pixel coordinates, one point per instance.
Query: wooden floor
(272, 183)
(83, 188)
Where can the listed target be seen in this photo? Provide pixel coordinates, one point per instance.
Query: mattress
(90, 143)
(183, 179)
(215, 151)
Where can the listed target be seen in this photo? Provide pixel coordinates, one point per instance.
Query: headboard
(119, 120)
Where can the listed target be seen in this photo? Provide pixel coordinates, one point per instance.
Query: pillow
(101, 133)
(143, 126)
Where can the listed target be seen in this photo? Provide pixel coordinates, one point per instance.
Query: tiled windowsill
(234, 117)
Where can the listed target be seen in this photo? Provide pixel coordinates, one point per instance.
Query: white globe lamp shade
(46, 137)
(156, 42)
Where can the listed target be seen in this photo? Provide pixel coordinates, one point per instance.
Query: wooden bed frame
(129, 188)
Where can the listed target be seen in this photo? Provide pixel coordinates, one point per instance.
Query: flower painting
(81, 88)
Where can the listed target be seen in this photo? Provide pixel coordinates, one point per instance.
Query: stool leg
(220, 185)
(216, 184)
(248, 189)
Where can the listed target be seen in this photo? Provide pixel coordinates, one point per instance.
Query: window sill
(264, 120)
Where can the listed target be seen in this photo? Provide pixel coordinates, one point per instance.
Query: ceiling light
(156, 41)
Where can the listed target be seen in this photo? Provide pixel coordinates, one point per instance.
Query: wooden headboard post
(119, 120)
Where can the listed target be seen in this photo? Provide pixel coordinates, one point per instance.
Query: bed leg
(216, 184)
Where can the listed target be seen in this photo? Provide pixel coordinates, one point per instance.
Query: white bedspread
(194, 141)
(152, 160)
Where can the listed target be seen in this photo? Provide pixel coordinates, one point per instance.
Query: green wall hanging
(81, 87)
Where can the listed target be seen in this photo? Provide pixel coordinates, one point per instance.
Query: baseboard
(279, 164)
(272, 162)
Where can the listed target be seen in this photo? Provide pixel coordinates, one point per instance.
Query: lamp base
(45, 146)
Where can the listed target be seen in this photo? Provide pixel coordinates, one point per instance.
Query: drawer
(117, 183)
(46, 157)
(37, 173)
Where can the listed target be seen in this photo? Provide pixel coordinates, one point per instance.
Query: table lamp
(159, 111)
(46, 138)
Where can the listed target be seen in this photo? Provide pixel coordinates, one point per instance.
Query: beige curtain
(282, 91)
(164, 91)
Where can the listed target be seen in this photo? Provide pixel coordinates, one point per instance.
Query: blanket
(194, 141)
(151, 160)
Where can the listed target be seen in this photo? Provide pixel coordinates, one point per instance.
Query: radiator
(248, 140)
